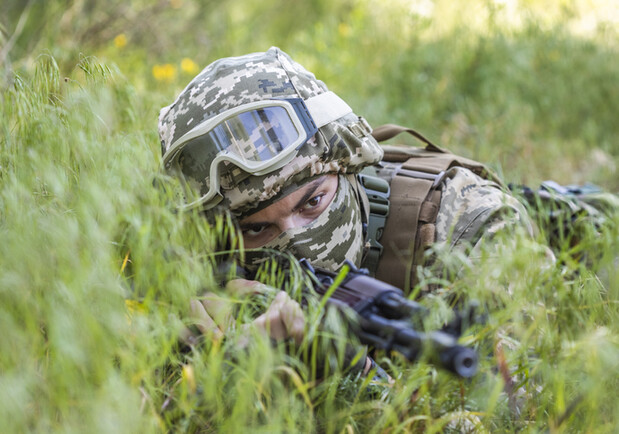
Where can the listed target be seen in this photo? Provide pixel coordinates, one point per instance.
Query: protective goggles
(258, 137)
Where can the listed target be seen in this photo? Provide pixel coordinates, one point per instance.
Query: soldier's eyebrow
(253, 226)
(312, 187)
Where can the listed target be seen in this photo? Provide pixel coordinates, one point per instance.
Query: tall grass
(97, 269)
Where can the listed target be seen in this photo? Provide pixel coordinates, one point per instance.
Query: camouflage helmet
(343, 144)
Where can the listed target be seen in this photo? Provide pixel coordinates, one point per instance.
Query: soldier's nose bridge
(286, 222)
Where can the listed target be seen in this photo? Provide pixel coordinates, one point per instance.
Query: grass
(96, 267)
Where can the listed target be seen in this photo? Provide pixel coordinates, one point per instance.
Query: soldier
(259, 136)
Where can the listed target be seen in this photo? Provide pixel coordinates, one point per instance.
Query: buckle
(377, 191)
(361, 128)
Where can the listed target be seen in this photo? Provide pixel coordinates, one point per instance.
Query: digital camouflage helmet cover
(343, 143)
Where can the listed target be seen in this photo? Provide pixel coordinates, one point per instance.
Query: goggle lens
(253, 136)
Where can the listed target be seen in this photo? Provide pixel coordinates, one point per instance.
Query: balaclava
(332, 238)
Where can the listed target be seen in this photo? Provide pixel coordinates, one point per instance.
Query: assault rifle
(386, 319)
(569, 214)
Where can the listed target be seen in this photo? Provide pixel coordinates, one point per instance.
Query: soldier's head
(260, 136)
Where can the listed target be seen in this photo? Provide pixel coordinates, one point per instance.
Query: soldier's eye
(253, 230)
(313, 202)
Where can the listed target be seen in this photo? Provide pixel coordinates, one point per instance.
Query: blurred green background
(529, 86)
(96, 269)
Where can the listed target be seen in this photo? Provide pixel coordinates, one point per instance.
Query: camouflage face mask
(327, 242)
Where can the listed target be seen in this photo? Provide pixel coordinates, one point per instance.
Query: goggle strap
(326, 108)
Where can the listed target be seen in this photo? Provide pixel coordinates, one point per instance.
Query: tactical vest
(404, 194)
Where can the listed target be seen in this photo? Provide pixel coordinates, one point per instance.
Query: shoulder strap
(407, 226)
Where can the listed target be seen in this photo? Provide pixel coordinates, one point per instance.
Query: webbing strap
(389, 131)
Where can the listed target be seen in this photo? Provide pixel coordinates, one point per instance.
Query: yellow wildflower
(189, 377)
(165, 72)
(344, 30)
(120, 40)
(135, 306)
(188, 66)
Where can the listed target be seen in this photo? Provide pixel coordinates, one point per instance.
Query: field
(97, 268)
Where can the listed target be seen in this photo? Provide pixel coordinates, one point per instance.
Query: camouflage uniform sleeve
(473, 210)
(477, 215)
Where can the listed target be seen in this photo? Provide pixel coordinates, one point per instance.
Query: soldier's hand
(283, 319)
